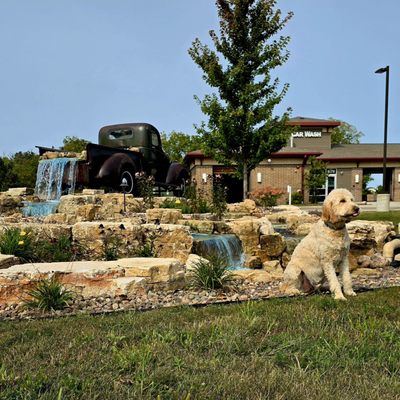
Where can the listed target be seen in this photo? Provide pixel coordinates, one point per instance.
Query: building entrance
(330, 184)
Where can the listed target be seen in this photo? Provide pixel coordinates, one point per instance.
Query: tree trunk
(245, 182)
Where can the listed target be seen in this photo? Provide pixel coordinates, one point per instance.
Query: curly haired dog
(325, 248)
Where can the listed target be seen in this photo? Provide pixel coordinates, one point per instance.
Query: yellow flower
(21, 242)
(23, 233)
(177, 201)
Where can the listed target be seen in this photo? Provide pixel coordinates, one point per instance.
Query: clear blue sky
(69, 67)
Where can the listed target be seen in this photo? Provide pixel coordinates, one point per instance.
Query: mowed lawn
(393, 216)
(295, 348)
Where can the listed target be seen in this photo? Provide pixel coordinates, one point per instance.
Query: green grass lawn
(393, 216)
(298, 348)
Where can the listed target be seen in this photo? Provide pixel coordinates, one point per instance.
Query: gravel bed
(241, 292)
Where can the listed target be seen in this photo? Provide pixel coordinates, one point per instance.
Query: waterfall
(228, 246)
(50, 178)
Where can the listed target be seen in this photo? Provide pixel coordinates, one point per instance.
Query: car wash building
(287, 168)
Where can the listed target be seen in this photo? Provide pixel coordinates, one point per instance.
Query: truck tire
(180, 188)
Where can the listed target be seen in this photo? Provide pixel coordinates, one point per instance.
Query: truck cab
(140, 137)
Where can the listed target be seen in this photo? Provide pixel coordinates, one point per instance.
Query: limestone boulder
(378, 231)
(248, 231)
(293, 221)
(192, 262)
(221, 227)
(253, 262)
(128, 277)
(361, 235)
(272, 246)
(274, 268)
(10, 204)
(303, 229)
(97, 238)
(7, 261)
(253, 275)
(169, 241)
(21, 191)
(91, 205)
(61, 218)
(247, 206)
(163, 216)
(281, 213)
(198, 226)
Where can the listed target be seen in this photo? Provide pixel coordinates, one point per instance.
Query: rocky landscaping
(142, 259)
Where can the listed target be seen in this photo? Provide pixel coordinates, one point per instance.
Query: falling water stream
(228, 246)
(51, 175)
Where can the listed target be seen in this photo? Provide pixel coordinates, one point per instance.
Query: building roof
(305, 121)
(364, 151)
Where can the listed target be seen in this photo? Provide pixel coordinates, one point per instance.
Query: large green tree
(242, 128)
(345, 134)
(21, 169)
(177, 144)
(316, 177)
(74, 144)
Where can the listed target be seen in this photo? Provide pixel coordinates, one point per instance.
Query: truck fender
(111, 168)
(176, 173)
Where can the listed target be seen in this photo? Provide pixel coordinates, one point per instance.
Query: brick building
(346, 163)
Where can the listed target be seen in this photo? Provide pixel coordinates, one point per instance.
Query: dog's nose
(356, 209)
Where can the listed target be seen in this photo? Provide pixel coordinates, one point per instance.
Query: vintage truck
(124, 150)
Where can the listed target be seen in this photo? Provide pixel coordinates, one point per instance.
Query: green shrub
(145, 185)
(147, 250)
(219, 193)
(49, 294)
(111, 245)
(297, 198)
(266, 197)
(211, 273)
(17, 242)
(55, 250)
(187, 206)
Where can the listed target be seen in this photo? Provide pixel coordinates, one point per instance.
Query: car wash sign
(307, 134)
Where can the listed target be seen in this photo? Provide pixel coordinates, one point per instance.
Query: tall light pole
(381, 71)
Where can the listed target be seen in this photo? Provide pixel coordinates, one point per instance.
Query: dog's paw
(350, 293)
(339, 297)
(289, 290)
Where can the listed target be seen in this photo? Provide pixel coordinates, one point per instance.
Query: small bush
(266, 197)
(297, 198)
(219, 194)
(111, 245)
(55, 250)
(187, 206)
(17, 242)
(145, 186)
(147, 250)
(49, 294)
(211, 273)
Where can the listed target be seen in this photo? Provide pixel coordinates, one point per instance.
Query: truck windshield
(125, 136)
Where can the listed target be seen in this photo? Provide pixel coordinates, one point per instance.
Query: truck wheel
(181, 186)
(129, 175)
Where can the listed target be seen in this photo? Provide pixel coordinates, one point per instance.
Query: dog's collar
(335, 227)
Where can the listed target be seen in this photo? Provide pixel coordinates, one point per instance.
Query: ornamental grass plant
(211, 273)
(49, 295)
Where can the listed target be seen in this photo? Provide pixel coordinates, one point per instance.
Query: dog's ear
(326, 211)
(329, 214)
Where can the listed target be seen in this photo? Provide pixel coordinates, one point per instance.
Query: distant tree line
(19, 169)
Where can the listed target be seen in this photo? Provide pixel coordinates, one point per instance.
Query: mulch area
(383, 278)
